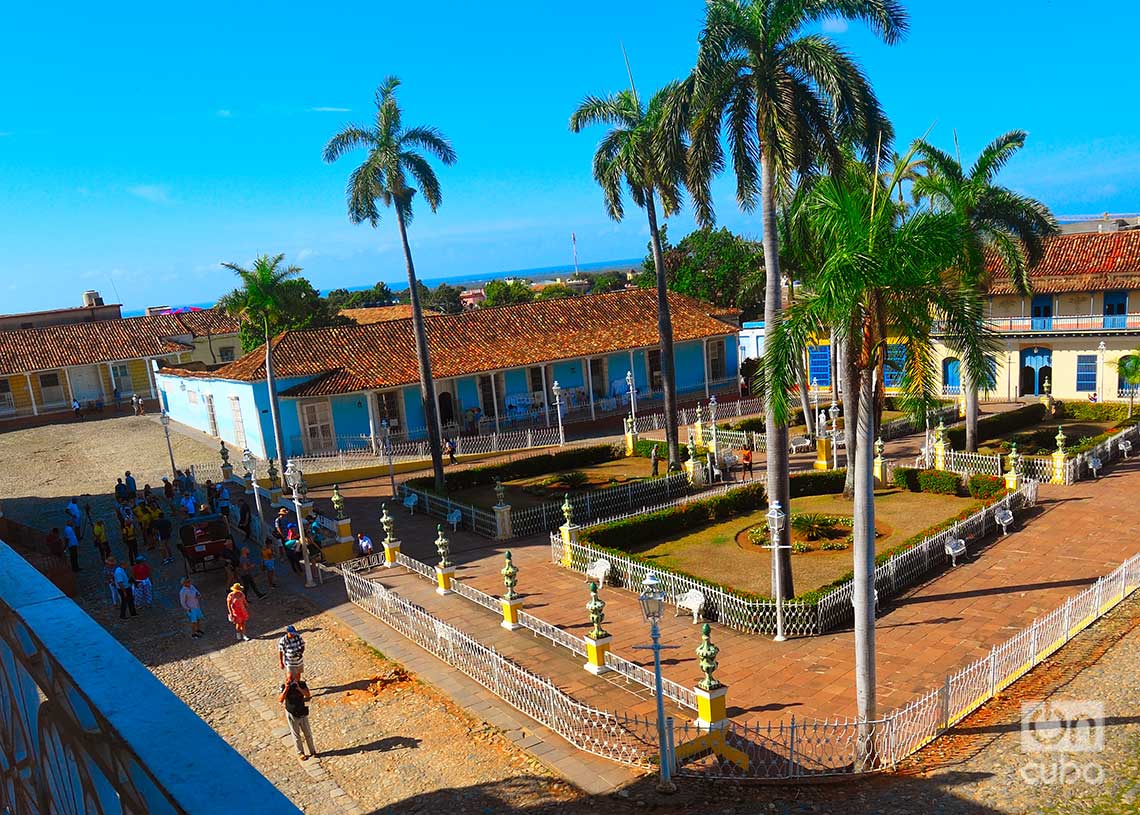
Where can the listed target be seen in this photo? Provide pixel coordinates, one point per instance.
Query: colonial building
(43, 369)
(494, 369)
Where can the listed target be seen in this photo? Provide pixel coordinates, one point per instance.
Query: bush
(836, 546)
(1089, 412)
(800, 547)
(572, 479)
(940, 482)
(985, 486)
(644, 448)
(816, 482)
(813, 525)
(522, 468)
(998, 425)
(906, 478)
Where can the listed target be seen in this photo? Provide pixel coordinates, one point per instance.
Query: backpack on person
(295, 700)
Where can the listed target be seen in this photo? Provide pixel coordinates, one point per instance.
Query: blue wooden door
(1042, 313)
(1115, 309)
(1036, 367)
(951, 376)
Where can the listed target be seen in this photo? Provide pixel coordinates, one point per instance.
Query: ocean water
(465, 280)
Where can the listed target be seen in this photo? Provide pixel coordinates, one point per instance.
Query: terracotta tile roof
(56, 346)
(208, 321)
(1084, 261)
(382, 314)
(382, 355)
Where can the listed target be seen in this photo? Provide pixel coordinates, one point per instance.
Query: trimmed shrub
(644, 448)
(1090, 412)
(999, 424)
(906, 478)
(940, 482)
(835, 546)
(985, 486)
(522, 468)
(813, 525)
(816, 482)
(573, 479)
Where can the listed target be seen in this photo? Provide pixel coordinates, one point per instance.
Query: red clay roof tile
(1083, 261)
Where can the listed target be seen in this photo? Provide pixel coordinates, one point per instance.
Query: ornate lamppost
(629, 381)
(296, 480)
(164, 417)
(388, 450)
(776, 520)
(250, 465)
(556, 389)
(834, 412)
(652, 599)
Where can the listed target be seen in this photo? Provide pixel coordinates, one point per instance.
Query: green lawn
(715, 554)
(1040, 439)
(528, 492)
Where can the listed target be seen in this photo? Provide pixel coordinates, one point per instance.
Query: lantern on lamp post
(296, 481)
(652, 600)
(164, 417)
(776, 521)
(250, 464)
(632, 385)
(556, 389)
(712, 420)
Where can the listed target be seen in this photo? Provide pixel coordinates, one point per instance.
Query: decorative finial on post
(700, 415)
(443, 546)
(597, 609)
(940, 432)
(510, 573)
(225, 454)
(500, 494)
(274, 476)
(1014, 458)
(706, 659)
(1060, 438)
(386, 522)
(338, 502)
(568, 510)
(879, 447)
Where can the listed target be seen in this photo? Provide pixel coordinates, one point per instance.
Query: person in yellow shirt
(99, 530)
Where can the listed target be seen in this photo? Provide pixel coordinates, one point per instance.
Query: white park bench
(1095, 465)
(800, 443)
(955, 548)
(1125, 447)
(693, 600)
(410, 502)
(598, 572)
(455, 518)
(1005, 520)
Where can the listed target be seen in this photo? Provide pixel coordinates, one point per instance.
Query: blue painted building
(494, 369)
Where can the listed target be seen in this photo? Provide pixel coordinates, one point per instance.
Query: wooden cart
(201, 541)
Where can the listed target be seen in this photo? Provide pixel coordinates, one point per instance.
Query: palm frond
(996, 154)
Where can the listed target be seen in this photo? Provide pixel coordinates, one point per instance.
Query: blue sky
(142, 144)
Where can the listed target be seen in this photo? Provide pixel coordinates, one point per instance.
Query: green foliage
(816, 482)
(985, 486)
(573, 479)
(906, 478)
(644, 448)
(378, 295)
(554, 291)
(755, 424)
(713, 265)
(940, 482)
(836, 546)
(606, 281)
(502, 293)
(813, 525)
(999, 424)
(444, 298)
(799, 547)
(1084, 411)
(522, 468)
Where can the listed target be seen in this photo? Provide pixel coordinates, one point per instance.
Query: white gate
(86, 384)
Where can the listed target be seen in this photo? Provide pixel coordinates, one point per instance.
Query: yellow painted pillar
(1012, 480)
(511, 613)
(712, 706)
(823, 452)
(961, 406)
(1058, 468)
(443, 576)
(596, 650)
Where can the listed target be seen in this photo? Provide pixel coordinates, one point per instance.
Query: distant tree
(444, 298)
(1128, 372)
(713, 265)
(378, 295)
(554, 291)
(606, 281)
(501, 293)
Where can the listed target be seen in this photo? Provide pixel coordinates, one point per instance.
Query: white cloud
(305, 254)
(224, 113)
(834, 25)
(155, 193)
(328, 110)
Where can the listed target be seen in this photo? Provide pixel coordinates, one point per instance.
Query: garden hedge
(521, 468)
(906, 478)
(993, 426)
(644, 448)
(939, 482)
(985, 486)
(1089, 412)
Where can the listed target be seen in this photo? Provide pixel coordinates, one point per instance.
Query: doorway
(1036, 370)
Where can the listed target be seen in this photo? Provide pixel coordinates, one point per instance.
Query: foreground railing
(88, 729)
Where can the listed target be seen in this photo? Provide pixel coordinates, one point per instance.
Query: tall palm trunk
(970, 389)
(850, 412)
(427, 385)
(271, 386)
(776, 435)
(665, 330)
(864, 550)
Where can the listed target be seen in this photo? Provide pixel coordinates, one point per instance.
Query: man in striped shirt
(291, 653)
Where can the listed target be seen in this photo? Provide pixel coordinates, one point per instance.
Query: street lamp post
(296, 480)
(652, 601)
(165, 419)
(388, 449)
(815, 398)
(1100, 349)
(833, 412)
(248, 462)
(712, 420)
(632, 398)
(556, 389)
(776, 519)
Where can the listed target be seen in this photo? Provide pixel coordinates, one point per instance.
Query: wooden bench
(410, 502)
(1004, 519)
(693, 600)
(455, 518)
(598, 572)
(955, 548)
(800, 443)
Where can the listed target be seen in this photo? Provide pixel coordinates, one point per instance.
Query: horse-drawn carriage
(201, 540)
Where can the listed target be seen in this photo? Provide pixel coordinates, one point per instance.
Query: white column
(495, 401)
(438, 413)
(373, 423)
(545, 398)
(111, 374)
(70, 392)
(31, 394)
(705, 355)
(590, 387)
(150, 376)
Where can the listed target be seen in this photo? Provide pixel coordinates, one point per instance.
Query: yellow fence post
(569, 532)
(444, 570)
(712, 710)
(598, 640)
(1059, 458)
(1013, 474)
(510, 600)
(877, 465)
(940, 446)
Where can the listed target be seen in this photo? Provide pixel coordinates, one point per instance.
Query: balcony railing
(1060, 323)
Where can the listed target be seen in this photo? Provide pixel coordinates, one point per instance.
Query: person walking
(109, 579)
(132, 486)
(238, 611)
(168, 492)
(268, 563)
(126, 594)
(451, 448)
(223, 500)
(191, 601)
(245, 520)
(746, 463)
(99, 533)
(363, 545)
(74, 515)
(246, 567)
(117, 395)
(130, 539)
(76, 408)
(291, 653)
(294, 696)
(72, 542)
(144, 591)
(654, 462)
(164, 528)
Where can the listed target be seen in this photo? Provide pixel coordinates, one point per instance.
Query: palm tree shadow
(384, 745)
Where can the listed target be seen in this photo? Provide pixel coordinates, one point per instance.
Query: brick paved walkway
(1077, 534)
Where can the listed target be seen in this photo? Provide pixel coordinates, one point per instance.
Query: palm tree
(629, 156)
(1128, 373)
(786, 100)
(260, 302)
(882, 277)
(1007, 227)
(394, 154)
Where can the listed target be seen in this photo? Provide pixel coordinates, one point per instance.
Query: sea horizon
(466, 279)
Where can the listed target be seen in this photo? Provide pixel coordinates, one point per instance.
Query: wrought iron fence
(969, 464)
(478, 520)
(592, 505)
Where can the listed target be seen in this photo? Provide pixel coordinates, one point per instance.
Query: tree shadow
(384, 745)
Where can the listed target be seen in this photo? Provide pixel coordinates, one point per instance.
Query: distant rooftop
(1108, 222)
(382, 314)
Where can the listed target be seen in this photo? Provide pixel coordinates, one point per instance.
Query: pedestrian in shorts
(191, 601)
(291, 653)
